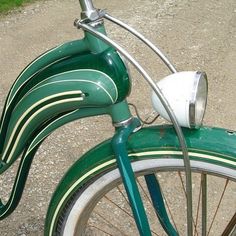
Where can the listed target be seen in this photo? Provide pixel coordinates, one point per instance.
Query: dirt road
(196, 34)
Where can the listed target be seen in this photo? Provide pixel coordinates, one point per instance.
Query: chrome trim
(143, 39)
(192, 104)
(123, 123)
(86, 5)
(89, 12)
(192, 121)
(168, 110)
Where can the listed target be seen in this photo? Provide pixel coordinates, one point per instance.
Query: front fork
(119, 142)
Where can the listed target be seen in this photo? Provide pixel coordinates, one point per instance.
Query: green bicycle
(148, 181)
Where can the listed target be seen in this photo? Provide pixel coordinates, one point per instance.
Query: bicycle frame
(53, 90)
(80, 79)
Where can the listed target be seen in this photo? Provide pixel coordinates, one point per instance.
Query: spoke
(198, 208)
(109, 223)
(169, 210)
(218, 206)
(122, 194)
(156, 195)
(112, 202)
(171, 215)
(185, 193)
(204, 204)
(120, 191)
(146, 195)
(166, 202)
(182, 183)
(93, 226)
(231, 227)
(126, 212)
(149, 200)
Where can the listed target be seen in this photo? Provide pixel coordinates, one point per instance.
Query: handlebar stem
(89, 12)
(86, 5)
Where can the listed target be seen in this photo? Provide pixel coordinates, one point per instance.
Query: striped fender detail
(48, 58)
(71, 189)
(31, 116)
(21, 171)
(42, 62)
(192, 154)
(112, 161)
(12, 94)
(100, 88)
(84, 73)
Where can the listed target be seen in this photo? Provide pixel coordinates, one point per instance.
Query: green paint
(46, 100)
(68, 57)
(155, 193)
(94, 44)
(19, 185)
(119, 142)
(214, 141)
(85, 78)
(120, 112)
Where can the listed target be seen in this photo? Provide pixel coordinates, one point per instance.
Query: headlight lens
(186, 93)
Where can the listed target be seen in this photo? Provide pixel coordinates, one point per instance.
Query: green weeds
(7, 5)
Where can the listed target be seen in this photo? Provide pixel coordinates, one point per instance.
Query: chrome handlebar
(86, 5)
(91, 14)
(88, 10)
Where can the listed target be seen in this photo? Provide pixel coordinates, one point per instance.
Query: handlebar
(86, 5)
(88, 10)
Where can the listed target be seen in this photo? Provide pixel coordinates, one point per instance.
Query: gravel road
(196, 35)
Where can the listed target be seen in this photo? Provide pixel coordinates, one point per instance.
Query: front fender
(215, 145)
(51, 99)
(65, 60)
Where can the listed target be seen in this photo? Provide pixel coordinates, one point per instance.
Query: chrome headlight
(186, 93)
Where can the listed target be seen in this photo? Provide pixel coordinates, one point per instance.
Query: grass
(7, 5)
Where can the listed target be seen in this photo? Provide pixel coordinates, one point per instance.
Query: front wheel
(100, 206)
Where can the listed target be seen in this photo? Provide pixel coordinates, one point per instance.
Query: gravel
(197, 35)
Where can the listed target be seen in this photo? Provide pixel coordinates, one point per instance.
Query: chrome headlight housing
(186, 93)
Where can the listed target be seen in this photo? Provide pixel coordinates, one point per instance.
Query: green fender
(71, 56)
(48, 105)
(64, 84)
(50, 99)
(217, 146)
